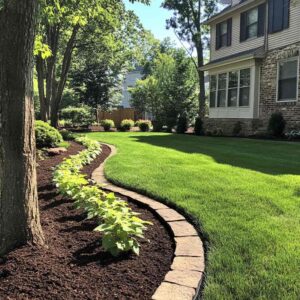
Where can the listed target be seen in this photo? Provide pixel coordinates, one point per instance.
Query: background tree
(170, 90)
(19, 213)
(61, 22)
(103, 59)
(187, 22)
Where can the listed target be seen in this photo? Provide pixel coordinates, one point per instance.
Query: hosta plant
(120, 226)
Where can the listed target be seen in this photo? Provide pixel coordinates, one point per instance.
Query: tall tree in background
(102, 59)
(19, 214)
(60, 24)
(170, 90)
(187, 22)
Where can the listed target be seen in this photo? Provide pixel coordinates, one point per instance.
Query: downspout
(266, 39)
(266, 49)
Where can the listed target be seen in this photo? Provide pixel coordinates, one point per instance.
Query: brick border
(184, 279)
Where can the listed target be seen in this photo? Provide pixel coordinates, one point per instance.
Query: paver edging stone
(189, 254)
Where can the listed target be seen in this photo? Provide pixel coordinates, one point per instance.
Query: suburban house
(254, 65)
(129, 82)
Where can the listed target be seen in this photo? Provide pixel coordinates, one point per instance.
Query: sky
(153, 17)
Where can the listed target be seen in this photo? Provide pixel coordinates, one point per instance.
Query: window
(223, 34)
(233, 89)
(213, 89)
(279, 11)
(288, 80)
(230, 89)
(252, 23)
(244, 87)
(222, 86)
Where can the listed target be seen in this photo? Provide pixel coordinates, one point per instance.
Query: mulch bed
(74, 266)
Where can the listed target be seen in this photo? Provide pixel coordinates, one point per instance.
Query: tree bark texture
(58, 93)
(19, 213)
(44, 106)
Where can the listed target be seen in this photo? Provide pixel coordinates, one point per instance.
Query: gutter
(213, 65)
(228, 11)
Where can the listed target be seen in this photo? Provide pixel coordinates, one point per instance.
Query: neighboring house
(129, 82)
(254, 65)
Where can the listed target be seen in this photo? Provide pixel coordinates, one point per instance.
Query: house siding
(236, 45)
(290, 35)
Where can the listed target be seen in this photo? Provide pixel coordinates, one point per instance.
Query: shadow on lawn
(269, 157)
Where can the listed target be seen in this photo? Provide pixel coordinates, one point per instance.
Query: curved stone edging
(184, 279)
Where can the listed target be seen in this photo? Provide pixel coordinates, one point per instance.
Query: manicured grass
(245, 193)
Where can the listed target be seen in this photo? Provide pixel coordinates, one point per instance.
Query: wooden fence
(118, 115)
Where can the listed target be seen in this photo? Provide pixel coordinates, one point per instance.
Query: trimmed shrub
(46, 135)
(182, 124)
(78, 116)
(127, 124)
(107, 124)
(237, 128)
(198, 129)
(277, 124)
(67, 135)
(157, 126)
(144, 125)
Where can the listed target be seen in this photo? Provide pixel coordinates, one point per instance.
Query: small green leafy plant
(119, 225)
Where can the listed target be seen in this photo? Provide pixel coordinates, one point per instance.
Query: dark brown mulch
(74, 266)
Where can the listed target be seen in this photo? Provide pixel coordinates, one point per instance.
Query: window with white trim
(231, 89)
(213, 90)
(244, 87)
(287, 86)
(252, 23)
(233, 84)
(222, 86)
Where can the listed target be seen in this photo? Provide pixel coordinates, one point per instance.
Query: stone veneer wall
(248, 126)
(268, 89)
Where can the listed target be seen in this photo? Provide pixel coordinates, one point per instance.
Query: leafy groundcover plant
(121, 227)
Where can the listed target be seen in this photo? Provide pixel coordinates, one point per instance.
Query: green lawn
(245, 194)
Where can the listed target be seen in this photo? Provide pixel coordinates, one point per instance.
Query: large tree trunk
(19, 213)
(55, 103)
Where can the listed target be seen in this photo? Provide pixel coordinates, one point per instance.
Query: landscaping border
(185, 278)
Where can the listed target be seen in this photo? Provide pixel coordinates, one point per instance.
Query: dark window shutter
(271, 17)
(229, 31)
(243, 29)
(286, 14)
(261, 19)
(218, 33)
(279, 11)
(278, 15)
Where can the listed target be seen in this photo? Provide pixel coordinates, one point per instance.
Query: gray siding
(290, 35)
(275, 40)
(236, 46)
